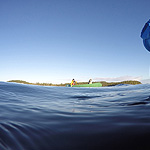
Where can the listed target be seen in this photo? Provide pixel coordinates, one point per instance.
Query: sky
(54, 41)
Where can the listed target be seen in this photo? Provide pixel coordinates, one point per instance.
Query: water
(63, 118)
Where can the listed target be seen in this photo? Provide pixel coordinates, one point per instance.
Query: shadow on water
(83, 97)
(138, 103)
(142, 102)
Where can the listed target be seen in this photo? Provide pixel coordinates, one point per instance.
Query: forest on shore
(104, 83)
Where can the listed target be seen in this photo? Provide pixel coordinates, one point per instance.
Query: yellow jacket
(73, 82)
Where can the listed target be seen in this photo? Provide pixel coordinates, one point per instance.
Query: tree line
(104, 83)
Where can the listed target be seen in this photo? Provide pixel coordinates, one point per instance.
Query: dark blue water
(63, 118)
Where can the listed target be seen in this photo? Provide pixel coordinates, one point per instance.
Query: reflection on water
(63, 118)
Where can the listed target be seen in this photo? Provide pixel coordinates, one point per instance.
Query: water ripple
(60, 118)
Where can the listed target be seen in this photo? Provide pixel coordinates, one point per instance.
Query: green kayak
(88, 85)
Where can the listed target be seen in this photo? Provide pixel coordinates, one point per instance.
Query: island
(104, 83)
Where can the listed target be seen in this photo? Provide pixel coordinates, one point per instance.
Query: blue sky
(57, 40)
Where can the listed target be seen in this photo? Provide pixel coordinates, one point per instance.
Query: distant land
(145, 81)
(104, 83)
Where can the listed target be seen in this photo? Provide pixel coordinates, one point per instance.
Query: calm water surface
(63, 118)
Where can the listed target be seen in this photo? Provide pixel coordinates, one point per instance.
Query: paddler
(73, 82)
(90, 81)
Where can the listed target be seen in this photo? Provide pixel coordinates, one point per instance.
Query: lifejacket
(72, 83)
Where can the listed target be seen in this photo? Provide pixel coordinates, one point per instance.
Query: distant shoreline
(104, 83)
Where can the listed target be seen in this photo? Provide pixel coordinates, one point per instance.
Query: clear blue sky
(57, 40)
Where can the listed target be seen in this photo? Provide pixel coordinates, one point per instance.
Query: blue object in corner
(145, 35)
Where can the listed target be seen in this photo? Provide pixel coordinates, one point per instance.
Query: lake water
(63, 118)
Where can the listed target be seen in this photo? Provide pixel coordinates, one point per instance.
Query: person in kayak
(73, 82)
(90, 81)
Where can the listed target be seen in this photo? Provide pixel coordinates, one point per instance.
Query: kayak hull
(88, 85)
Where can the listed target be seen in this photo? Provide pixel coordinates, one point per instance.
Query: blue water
(63, 118)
